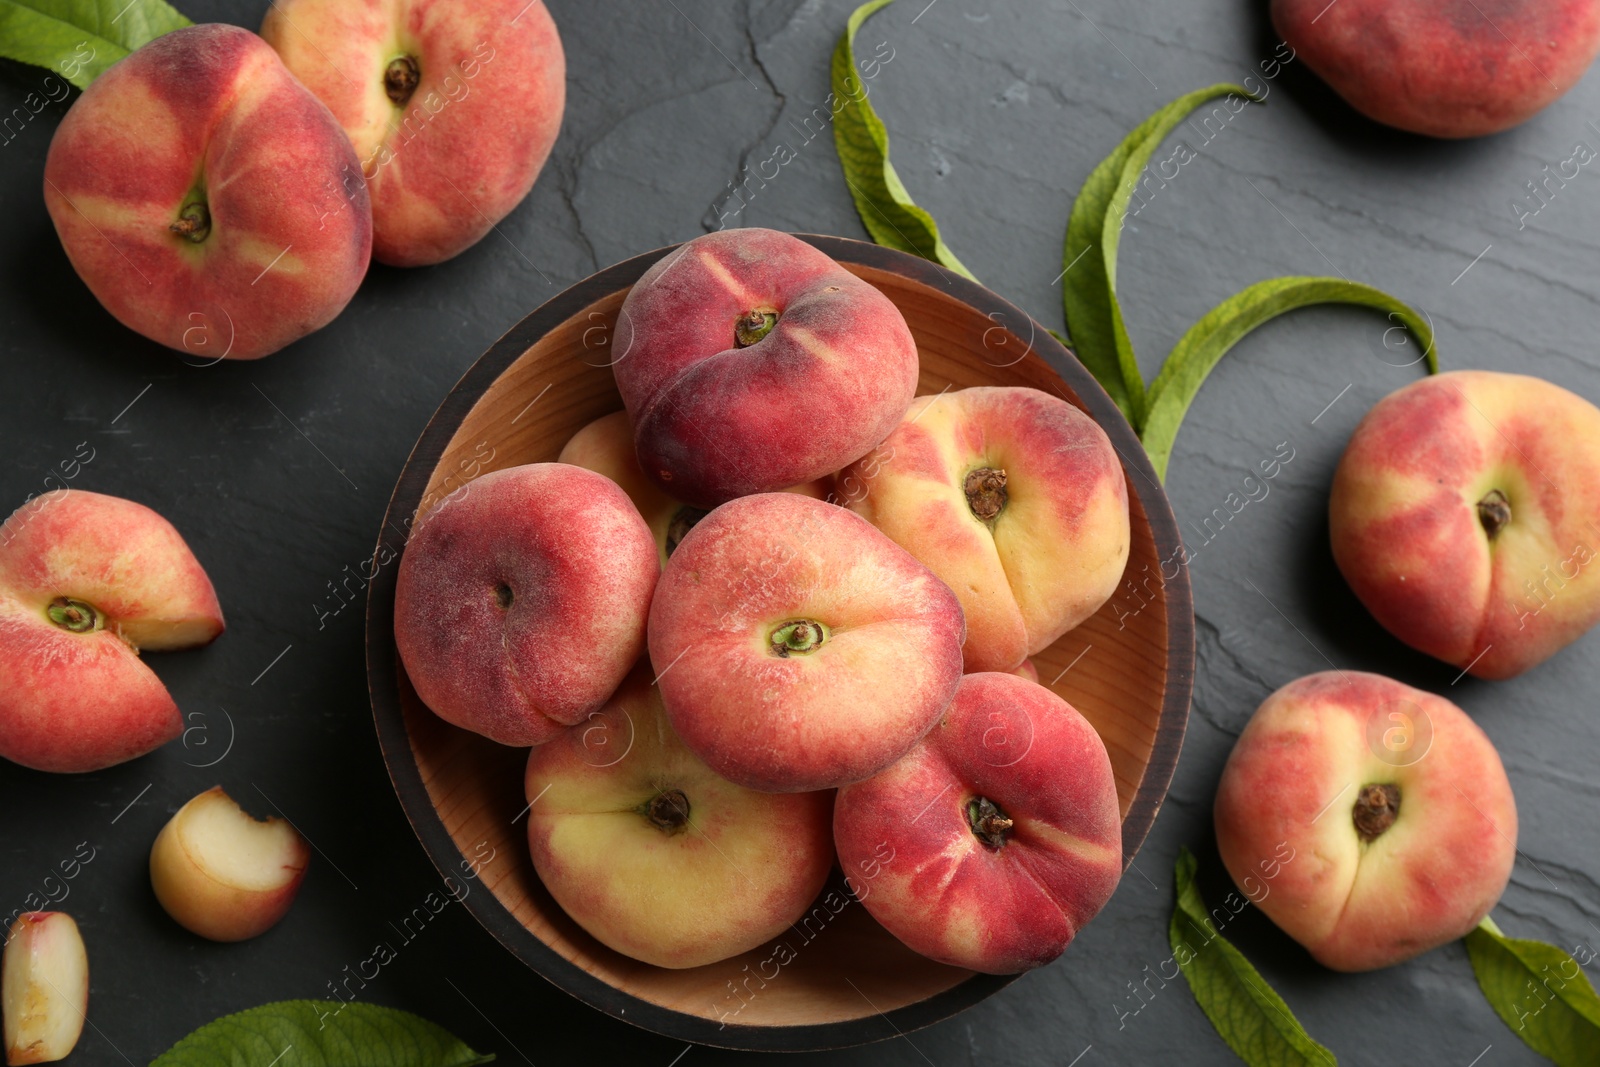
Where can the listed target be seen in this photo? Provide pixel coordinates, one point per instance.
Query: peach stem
(1377, 807)
(989, 823)
(1494, 512)
(752, 326)
(797, 638)
(986, 492)
(400, 79)
(74, 616)
(668, 811)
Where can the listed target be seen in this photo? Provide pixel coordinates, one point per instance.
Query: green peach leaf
(885, 207)
(1089, 257)
(1540, 992)
(320, 1033)
(1247, 1014)
(79, 39)
(1210, 339)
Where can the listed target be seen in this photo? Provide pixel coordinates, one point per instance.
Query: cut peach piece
(223, 874)
(44, 988)
(86, 581)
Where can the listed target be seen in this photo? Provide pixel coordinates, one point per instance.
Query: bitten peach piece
(658, 857)
(750, 362)
(1371, 821)
(223, 874)
(1446, 68)
(521, 599)
(797, 647)
(86, 582)
(207, 199)
(1016, 499)
(1002, 825)
(452, 105)
(44, 988)
(605, 446)
(1465, 514)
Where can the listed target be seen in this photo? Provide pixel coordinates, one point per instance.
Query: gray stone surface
(278, 473)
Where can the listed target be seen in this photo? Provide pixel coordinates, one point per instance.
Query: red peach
(797, 647)
(1013, 497)
(1465, 514)
(520, 601)
(452, 105)
(207, 199)
(1371, 821)
(750, 361)
(1446, 68)
(1003, 825)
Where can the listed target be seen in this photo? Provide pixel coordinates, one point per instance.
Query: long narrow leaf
(1540, 992)
(79, 39)
(886, 208)
(1247, 1014)
(1089, 258)
(1210, 339)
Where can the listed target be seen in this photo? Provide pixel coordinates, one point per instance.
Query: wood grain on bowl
(839, 979)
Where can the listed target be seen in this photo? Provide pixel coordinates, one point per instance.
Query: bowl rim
(382, 660)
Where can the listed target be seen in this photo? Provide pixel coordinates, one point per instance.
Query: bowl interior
(1122, 669)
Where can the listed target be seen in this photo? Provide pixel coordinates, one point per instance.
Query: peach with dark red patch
(452, 106)
(1465, 514)
(87, 582)
(207, 199)
(751, 362)
(654, 854)
(1003, 826)
(1446, 68)
(1016, 499)
(521, 599)
(797, 647)
(1371, 821)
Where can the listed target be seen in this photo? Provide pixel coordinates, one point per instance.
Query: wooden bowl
(849, 981)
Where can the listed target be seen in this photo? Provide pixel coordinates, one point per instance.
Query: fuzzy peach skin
(1291, 795)
(1003, 826)
(653, 853)
(452, 105)
(797, 647)
(605, 446)
(223, 874)
(1411, 538)
(1054, 550)
(204, 129)
(521, 599)
(86, 582)
(715, 417)
(1445, 68)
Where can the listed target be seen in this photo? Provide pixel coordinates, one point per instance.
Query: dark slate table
(278, 471)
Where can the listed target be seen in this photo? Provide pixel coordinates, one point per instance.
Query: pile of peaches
(772, 616)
